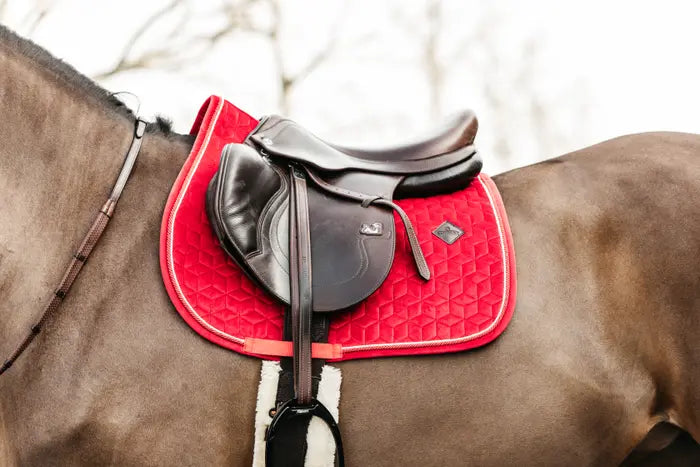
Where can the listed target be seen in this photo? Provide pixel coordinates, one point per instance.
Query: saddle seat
(452, 133)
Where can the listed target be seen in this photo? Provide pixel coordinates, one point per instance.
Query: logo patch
(374, 229)
(448, 232)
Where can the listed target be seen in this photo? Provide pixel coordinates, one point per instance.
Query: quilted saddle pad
(467, 303)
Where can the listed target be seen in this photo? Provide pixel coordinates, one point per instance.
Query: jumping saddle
(313, 224)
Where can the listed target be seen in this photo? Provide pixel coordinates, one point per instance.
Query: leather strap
(86, 247)
(301, 302)
(367, 199)
(286, 435)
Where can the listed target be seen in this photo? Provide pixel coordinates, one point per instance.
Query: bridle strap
(87, 245)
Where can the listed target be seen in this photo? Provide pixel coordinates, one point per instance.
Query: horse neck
(60, 153)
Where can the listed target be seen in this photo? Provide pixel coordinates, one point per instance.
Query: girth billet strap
(86, 247)
(300, 275)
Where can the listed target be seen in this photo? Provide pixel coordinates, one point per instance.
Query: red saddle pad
(467, 303)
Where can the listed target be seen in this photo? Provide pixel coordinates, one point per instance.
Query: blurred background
(544, 77)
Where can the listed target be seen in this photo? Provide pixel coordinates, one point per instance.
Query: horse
(601, 356)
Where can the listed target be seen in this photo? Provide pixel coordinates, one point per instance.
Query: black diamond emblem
(448, 232)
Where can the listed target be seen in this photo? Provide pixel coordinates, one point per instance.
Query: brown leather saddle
(313, 224)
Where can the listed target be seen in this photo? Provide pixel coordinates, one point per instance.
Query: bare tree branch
(317, 60)
(31, 20)
(148, 24)
(237, 16)
(38, 18)
(289, 81)
(125, 62)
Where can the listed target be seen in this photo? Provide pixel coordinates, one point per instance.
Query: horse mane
(73, 79)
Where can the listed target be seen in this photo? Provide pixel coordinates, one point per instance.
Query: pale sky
(544, 77)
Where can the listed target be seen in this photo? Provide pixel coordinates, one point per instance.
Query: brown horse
(602, 348)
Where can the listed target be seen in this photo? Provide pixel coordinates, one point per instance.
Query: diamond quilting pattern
(465, 292)
(467, 302)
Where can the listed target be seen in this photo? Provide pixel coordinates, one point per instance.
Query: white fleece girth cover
(321, 447)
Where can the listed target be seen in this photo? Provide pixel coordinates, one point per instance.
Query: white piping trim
(457, 340)
(171, 227)
(353, 348)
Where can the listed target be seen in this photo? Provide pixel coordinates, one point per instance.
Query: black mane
(73, 79)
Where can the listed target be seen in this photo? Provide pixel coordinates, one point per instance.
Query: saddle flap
(352, 247)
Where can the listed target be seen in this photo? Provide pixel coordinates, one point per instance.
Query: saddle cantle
(349, 196)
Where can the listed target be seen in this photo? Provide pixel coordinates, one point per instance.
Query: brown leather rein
(87, 245)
